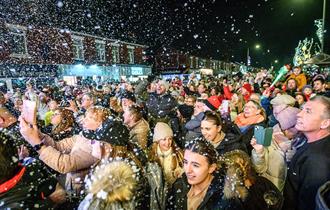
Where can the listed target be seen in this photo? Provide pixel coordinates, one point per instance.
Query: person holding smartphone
(270, 162)
(71, 156)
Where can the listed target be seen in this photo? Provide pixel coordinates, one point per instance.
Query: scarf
(89, 134)
(162, 154)
(242, 121)
(166, 161)
(6, 186)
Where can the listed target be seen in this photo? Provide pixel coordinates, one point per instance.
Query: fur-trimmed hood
(238, 174)
(234, 185)
(112, 184)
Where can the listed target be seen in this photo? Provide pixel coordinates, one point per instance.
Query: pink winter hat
(287, 117)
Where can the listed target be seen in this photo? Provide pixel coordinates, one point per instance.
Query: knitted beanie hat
(162, 131)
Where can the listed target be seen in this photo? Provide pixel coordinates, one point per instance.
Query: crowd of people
(176, 144)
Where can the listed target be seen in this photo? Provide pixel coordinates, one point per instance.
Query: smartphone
(29, 111)
(263, 135)
(224, 107)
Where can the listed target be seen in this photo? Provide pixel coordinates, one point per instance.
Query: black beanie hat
(113, 131)
(186, 111)
(128, 95)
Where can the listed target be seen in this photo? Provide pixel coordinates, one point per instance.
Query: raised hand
(29, 132)
(257, 147)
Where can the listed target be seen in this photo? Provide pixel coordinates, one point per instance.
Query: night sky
(220, 29)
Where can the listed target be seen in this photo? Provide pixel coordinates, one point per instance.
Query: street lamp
(323, 19)
(248, 60)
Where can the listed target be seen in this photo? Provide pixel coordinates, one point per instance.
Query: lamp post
(323, 23)
(248, 60)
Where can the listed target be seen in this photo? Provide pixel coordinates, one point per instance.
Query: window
(130, 54)
(214, 64)
(115, 53)
(191, 62)
(78, 47)
(17, 40)
(201, 63)
(100, 50)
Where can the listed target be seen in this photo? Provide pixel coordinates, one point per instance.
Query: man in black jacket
(310, 166)
(162, 107)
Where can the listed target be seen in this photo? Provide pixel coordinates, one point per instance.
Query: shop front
(72, 73)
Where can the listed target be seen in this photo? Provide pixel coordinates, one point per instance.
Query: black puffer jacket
(231, 142)
(308, 170)
(31, 190)
(161, 106)
(248, 134)
(213, 200)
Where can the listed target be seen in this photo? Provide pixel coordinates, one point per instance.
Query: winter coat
(265, 103)
(271, 164)
(213, 200)
(154, 174)
(161, 106)
(248, 134)
(139, 133)
(243, 184)
(227, 92)
(31, 190)
(16, 138)
(255, 199)
(175, 159)
(116, 185)
(71, 156)
(229, 143)
(308, 170)
(194, 126)
(326, 93)
(323, 197)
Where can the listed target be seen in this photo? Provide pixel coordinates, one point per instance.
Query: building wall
(54, 46)
(123, 53)
(138, 55)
